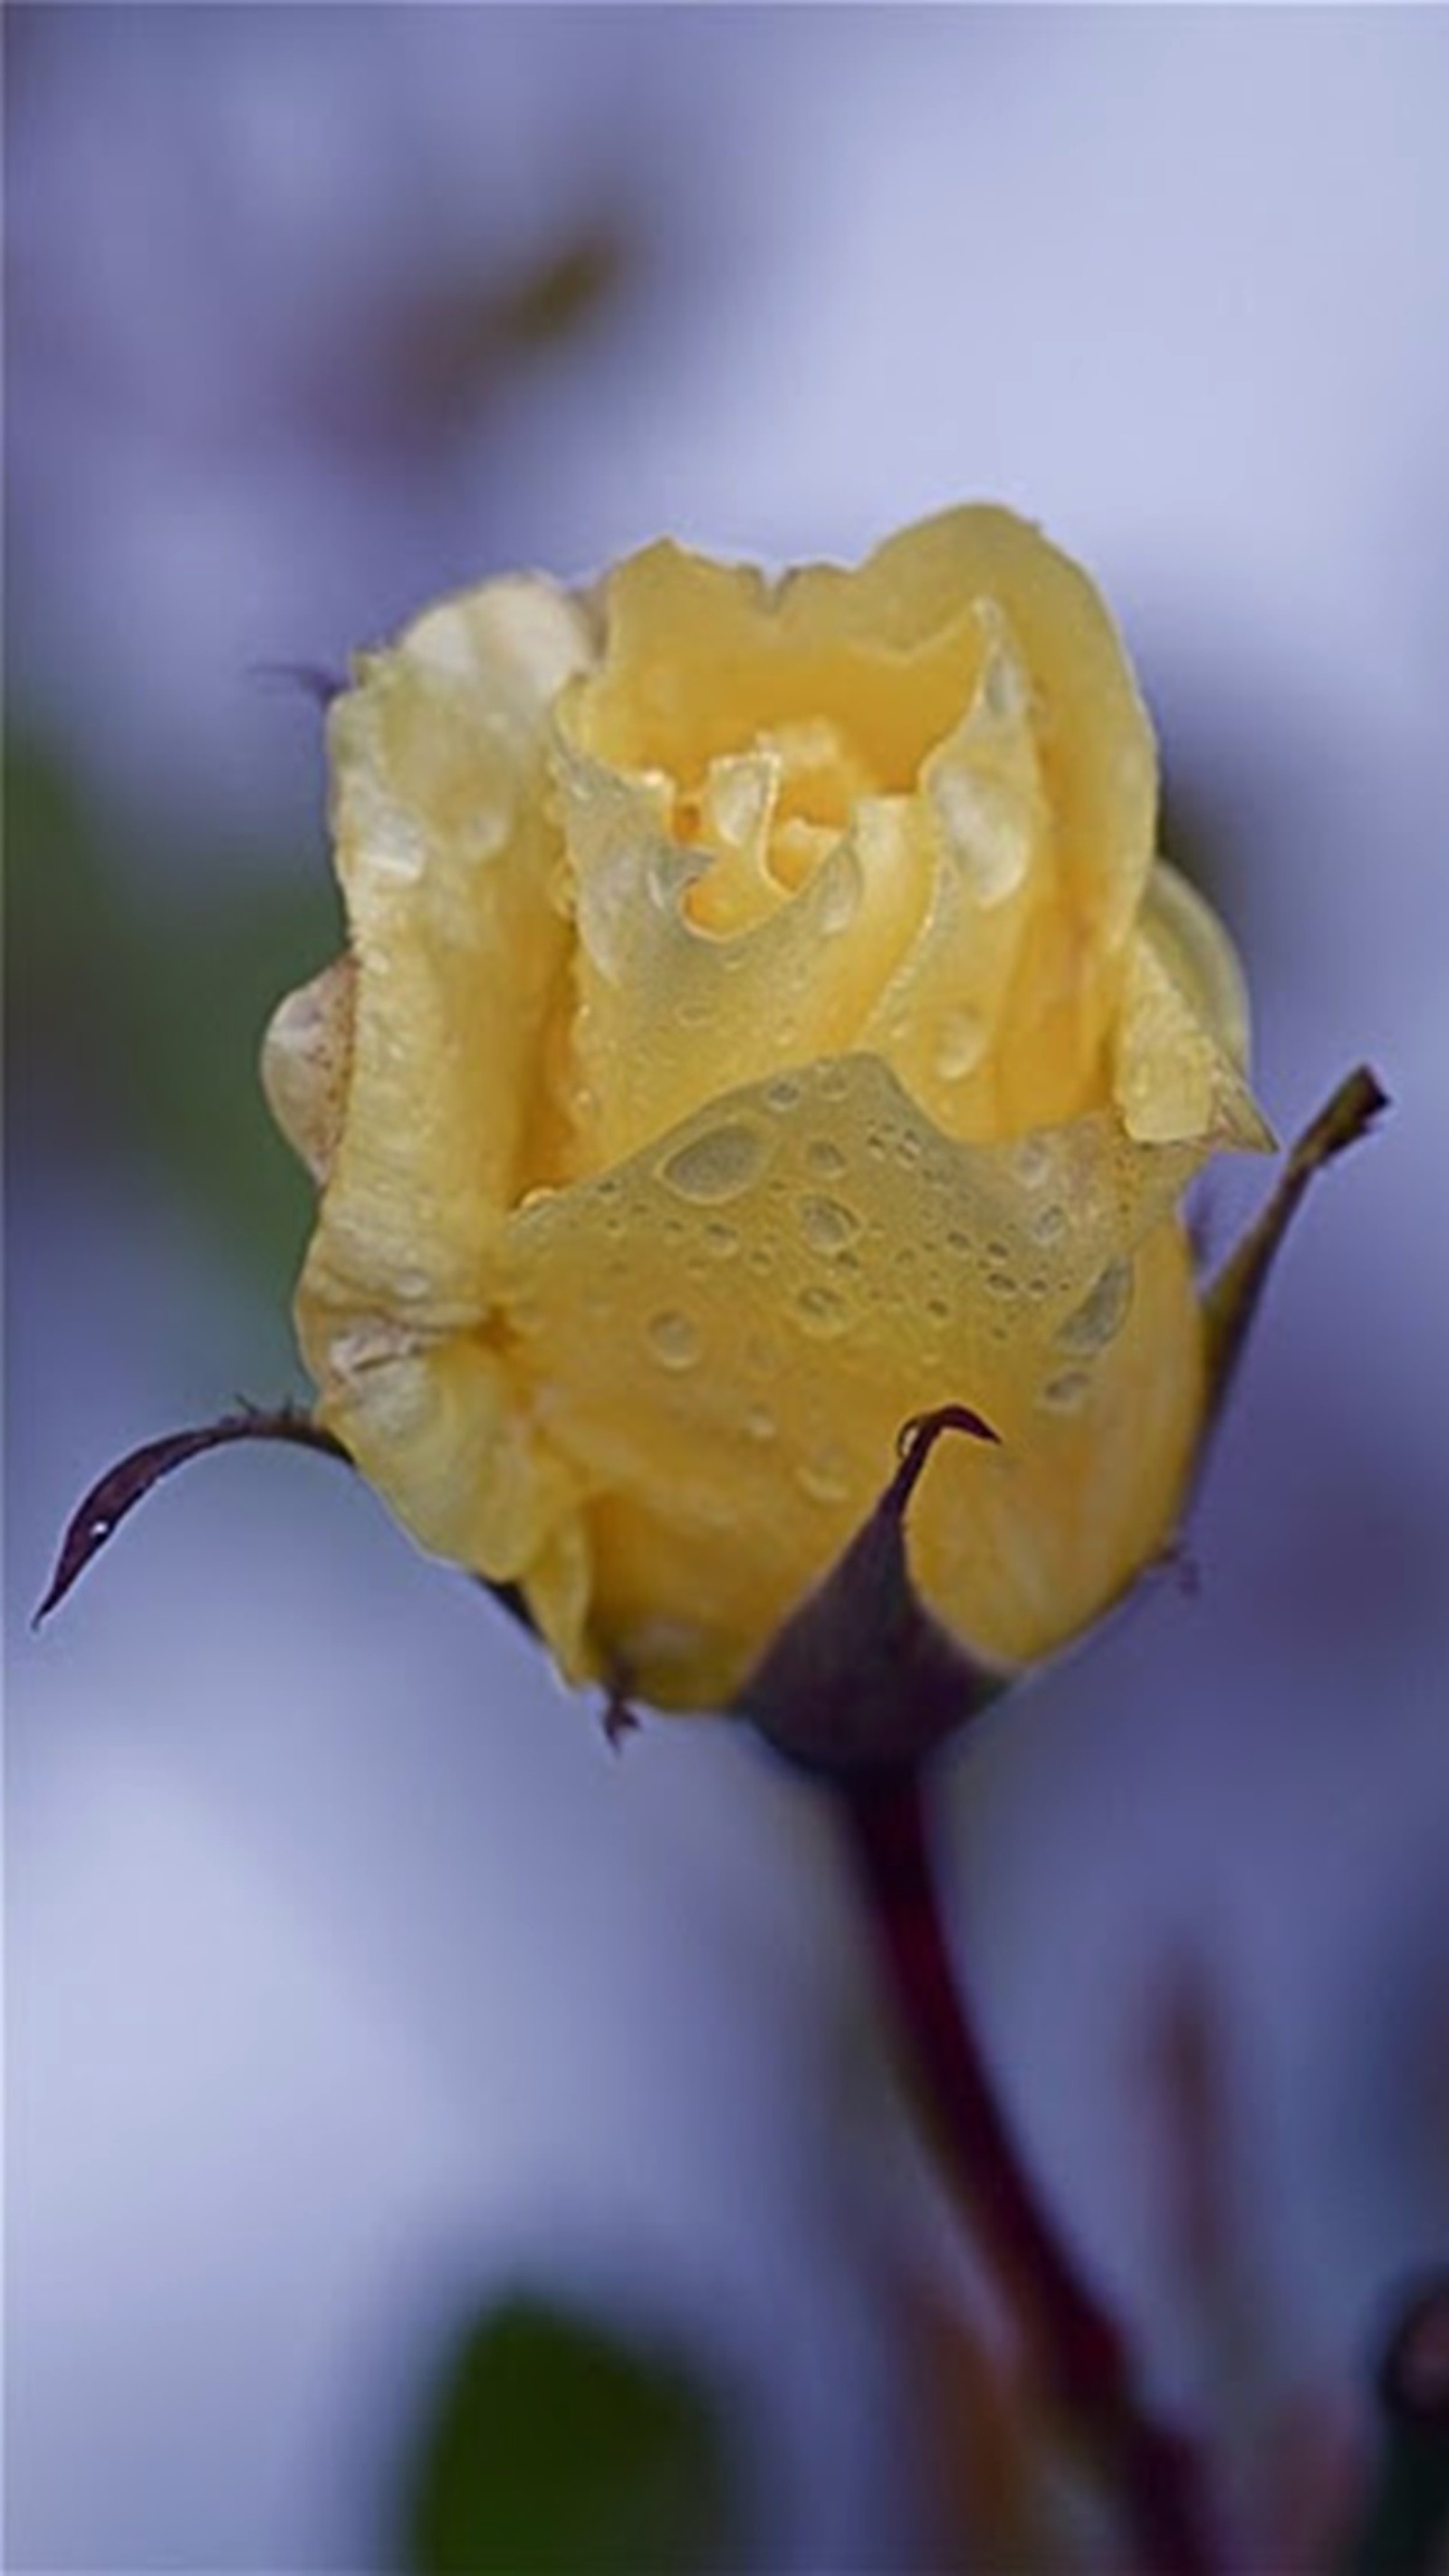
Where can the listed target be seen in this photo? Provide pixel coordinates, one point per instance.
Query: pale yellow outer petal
(722, 1337)
(1180, 1048)
(307, 1064)
(444, 853)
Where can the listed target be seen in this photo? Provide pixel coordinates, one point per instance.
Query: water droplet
(938, 1309)
(1001, 1283)
(835, 1082)
(1049, 1224)
(721, 1239)
(673, 1339)
(825, 1159)
(908, 1147)
(785, 1094)
(717, 1165)
(761, 1260)
(1067, 1393)
(824, 1475)
(763, 1357)
(960, 1044)
(1033, 1162)
(828, 1225)
(996, 1252)
(1102, 1312)
(988, 826)
(822, 1311)
(839, 897)
(760, 1423)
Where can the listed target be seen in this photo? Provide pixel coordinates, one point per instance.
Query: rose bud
(764, 1022)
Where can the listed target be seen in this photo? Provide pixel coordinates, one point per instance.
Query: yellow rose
(762, 1020)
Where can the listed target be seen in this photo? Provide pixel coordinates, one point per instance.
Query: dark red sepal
(862, 1676)
(97, 1518)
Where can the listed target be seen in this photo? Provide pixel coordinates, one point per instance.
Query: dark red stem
(1072, 2340)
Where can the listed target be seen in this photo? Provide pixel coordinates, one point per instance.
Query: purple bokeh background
(349, 1973)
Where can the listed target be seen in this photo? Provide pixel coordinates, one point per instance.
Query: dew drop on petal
(960, 1044)
(1066, 1393)
(824, 1475)
(1102, 1312)
(825, 1160)
(828, 1225)
(673, 1339)
(716, 1166)
(760, 1424)
(839, 901)
(822, 1312)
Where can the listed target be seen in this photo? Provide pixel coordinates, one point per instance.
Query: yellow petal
(444, 854)
(968, 1019)
(307, 1064)
(1180, 1049)
(970, 779)
(721, 1338)
(434, 1425)
(1099, 759)
(668, 1012)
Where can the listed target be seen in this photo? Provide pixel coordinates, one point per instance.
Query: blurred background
(381, 2046)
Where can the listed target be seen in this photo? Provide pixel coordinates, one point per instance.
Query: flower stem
(1073, 2341)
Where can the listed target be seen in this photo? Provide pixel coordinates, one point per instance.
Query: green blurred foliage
(553, 2445)
(134, 1011)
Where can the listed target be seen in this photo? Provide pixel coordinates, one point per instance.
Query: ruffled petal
(444, 854)
(666, 1012)
(965, 914)
(1181, 1044)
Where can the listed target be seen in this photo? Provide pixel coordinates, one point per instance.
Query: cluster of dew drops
(705, 1177)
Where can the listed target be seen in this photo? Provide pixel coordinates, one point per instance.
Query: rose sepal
(861, 1677)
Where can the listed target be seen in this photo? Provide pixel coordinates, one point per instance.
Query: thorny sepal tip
(1232, 1301)
(861, 1677)
(100, 1513)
